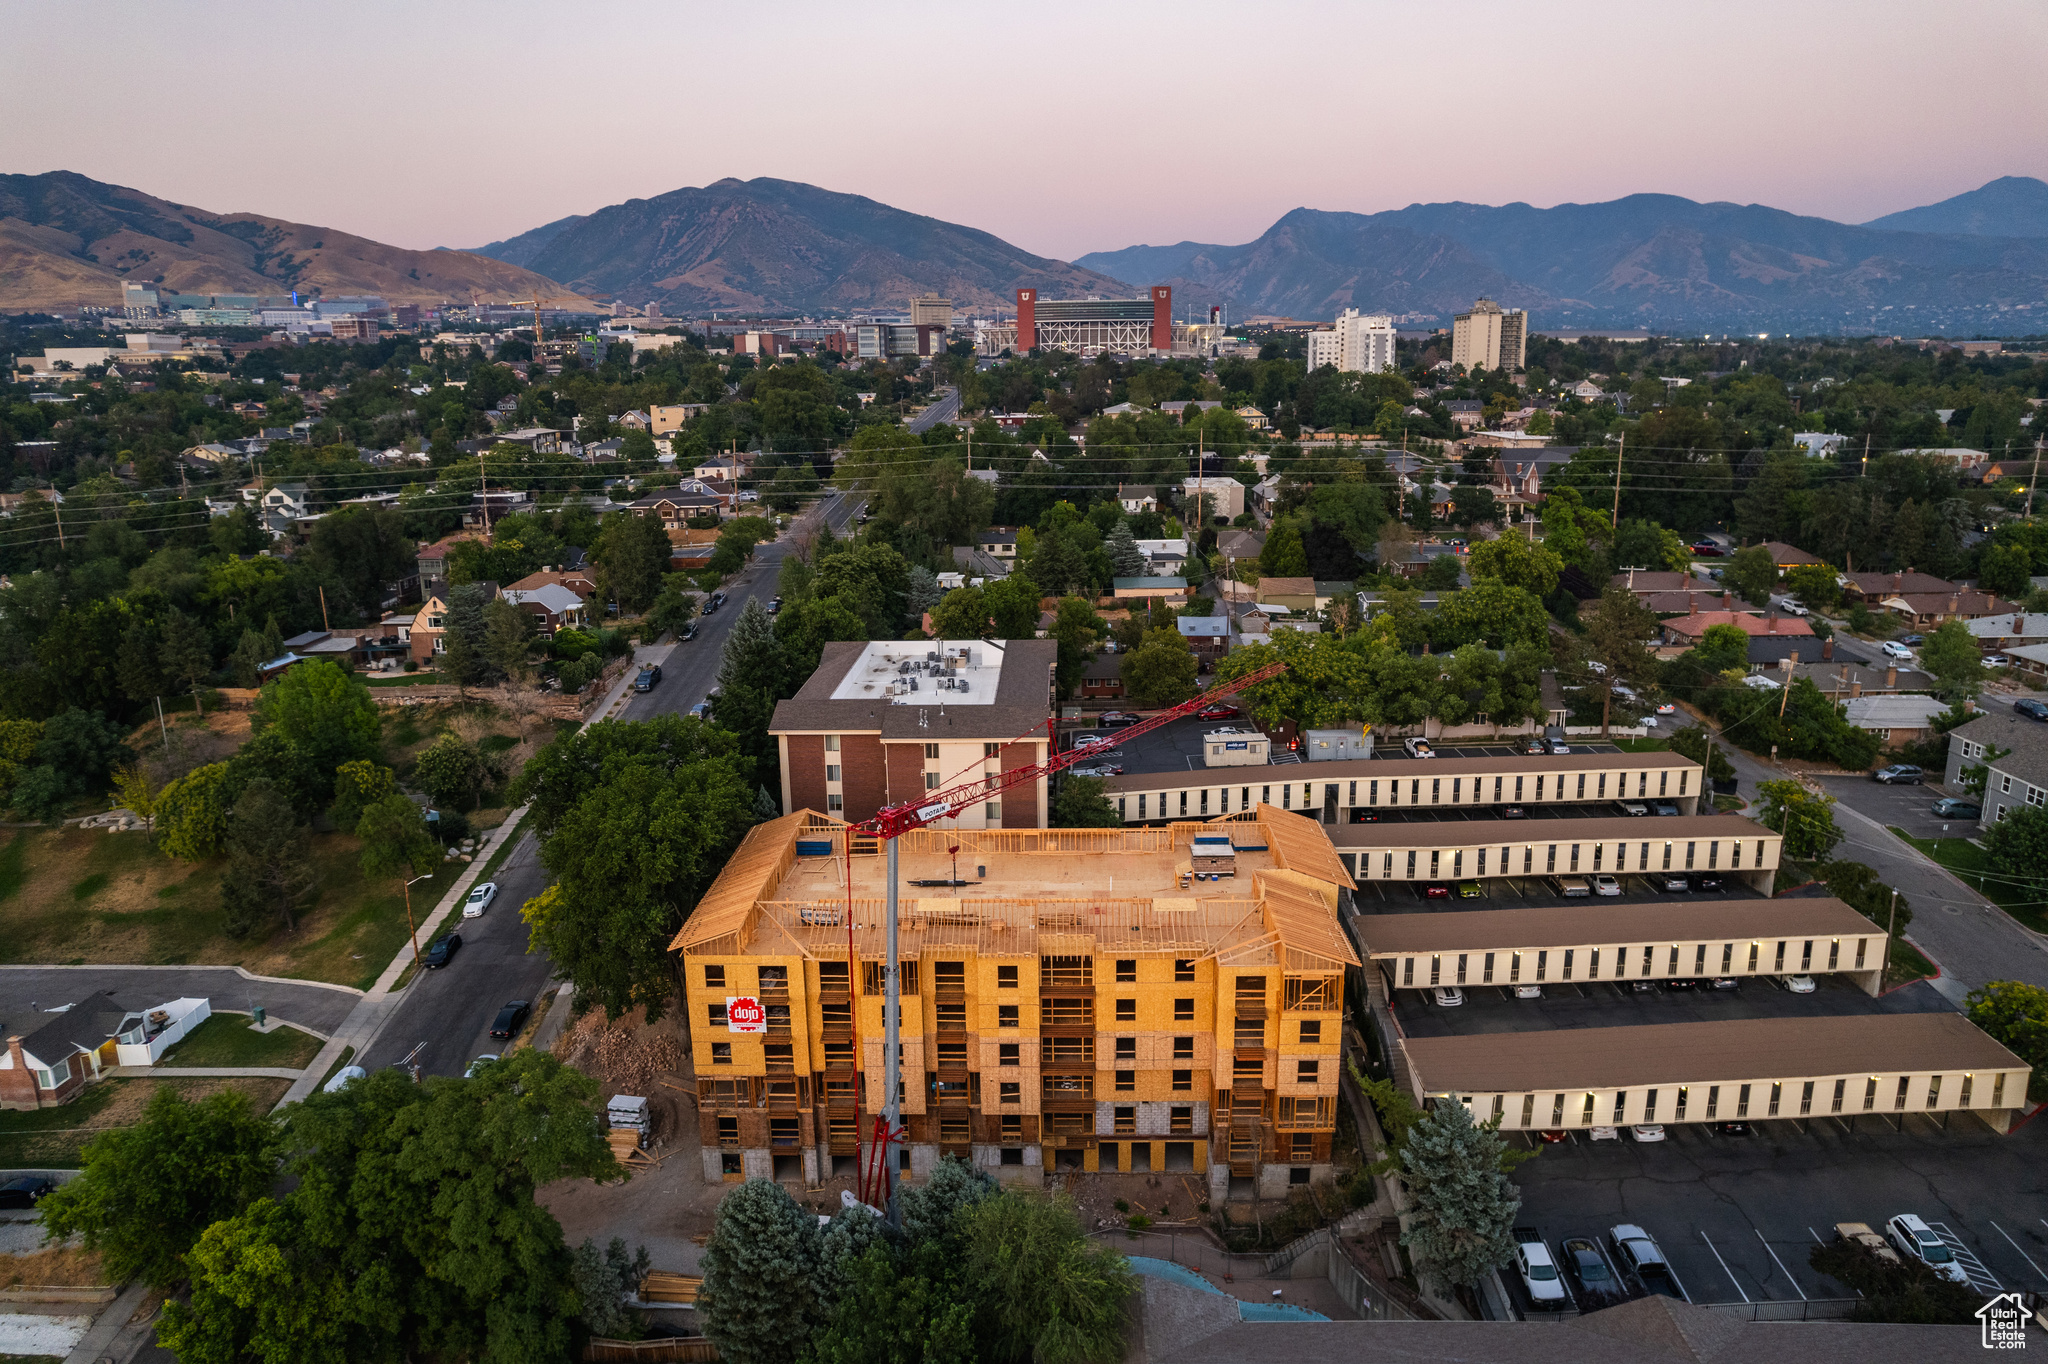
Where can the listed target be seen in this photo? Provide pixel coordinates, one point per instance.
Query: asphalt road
(945, 409)
(690, 667)
(448, 1012)
(26, 991)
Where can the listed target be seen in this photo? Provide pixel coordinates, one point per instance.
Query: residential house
(433, 562)
(1135, 499)
(1788, 557)
(1265, 495)
(1180, 407)
(1240, 546)
(1925, 610)
(210, 456)
(662, 419)
(1253, 418)
(1165, 557)
(675, 508)
(53, 1060)
(581, 581)
(489, 506)
(2029, 659)
(1131, 589)
(2002, 634)
(430, 626)
(1518, 474)
(1873, 587)
(1819, 444)
(1124, 410)
(1222, 497)
(2014, 749)
(552, 605)
(719, 468)
(1898, 720)
(1467, 414)
(634, 421)
(1103, 678)
(999, 544)
(1207, 636)
(1586, 391)
(365, 646)
(1772, 638)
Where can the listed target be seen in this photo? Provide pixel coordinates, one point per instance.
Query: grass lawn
(228, 1040)
(54, 1137)
(73, 897)
(1973, 865)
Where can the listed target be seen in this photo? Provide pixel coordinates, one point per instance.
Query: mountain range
(66, 239)
(779, 246)
(1647, 260)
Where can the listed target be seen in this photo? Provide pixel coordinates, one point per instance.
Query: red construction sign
(743, 1013)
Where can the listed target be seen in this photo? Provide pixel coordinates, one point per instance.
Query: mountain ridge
(67, 239)
(2010, 206)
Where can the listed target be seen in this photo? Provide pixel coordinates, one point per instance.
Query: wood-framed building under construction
(1082, 999)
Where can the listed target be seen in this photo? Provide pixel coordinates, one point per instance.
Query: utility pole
(2035, 477)
(59, 507)
(1617, 481)
(411, 932)
(323, 610)
(1866, 456)
(1891, 927)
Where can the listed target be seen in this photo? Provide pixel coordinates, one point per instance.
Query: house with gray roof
(2013, 750)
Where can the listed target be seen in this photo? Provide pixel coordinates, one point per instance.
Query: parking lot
(1617, 1004)
(1178, 747)
(1907, 807)
(1411, 897)
(1737, 1215)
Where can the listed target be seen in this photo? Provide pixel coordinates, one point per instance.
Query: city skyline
(1090, 139)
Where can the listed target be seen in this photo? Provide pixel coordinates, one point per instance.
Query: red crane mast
(878, 1174)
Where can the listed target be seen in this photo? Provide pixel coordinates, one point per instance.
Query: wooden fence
(695, 1349)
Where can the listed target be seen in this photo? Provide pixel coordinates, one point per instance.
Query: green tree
(759, 1302)
(1283, 555)
(961, 614)
(145, 1193)
(1696, 742)
(1753, 573)
(673, 609)
(1077, 630)
(1080, 804)
(1326, 682)
(508, 640)
(915, 1313)
(1464, 1206)
(1126, 560)
(410, 1227)
(462, 657)
(323, 712)
(185, 653)
(192, 814)
(451, 770)
(395, 838)
(1443, 573)
(1013, 604)
(2018, 844)
(1162, 670)
(2015, 1014)
(631, 858)
(632, 554)
(2006, 570)
(1618, 631)
(357, 786)
(364, 548)
(1903, 1291)
(269, 872)
(1815, 585)
(1952, 656)
(1805, 818)
(1489, 612)
(1518, 562)
(753, 674)
(604, 1280)
(1045, 1293)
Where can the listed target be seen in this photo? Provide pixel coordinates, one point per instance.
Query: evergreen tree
(924, 592)
(759, 1303)
(1464, 1206)
(142, 676)
(604, 1279)
(186, 652)
(463, 658)
(1124, 555)
(270, 873)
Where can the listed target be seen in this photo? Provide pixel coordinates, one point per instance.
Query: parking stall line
(1781, 1265)
(1724, 1267)
(2023, 1255)
(1980, 1277)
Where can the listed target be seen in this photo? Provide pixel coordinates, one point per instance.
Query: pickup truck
(1538, 1270)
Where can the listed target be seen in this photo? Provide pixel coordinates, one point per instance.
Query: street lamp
(410, 931)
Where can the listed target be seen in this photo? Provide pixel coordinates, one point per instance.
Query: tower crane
(534, 304)
(877, 1181)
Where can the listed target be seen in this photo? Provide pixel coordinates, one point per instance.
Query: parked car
(1899, 774)
(1219, 711)
(1706, 880)
(2032, 709)
(1603, 1134)
(479, 900)
(1955, 807)
(1471, 890)
(509, 1018)
(1681, 983)
(1559, 747)
(1571, 887)
(1436, 890)
(1664, 808)
(1538, 1271)
(1667, 709)
(1625, 691)
(647, 677)
(1448, 996)
(479, 1064)
(1706, 549)
(1418, 748)
(774, 605)
(1534, 748)
(1513, 812)
(1796, 608)
(1589, 1269)
(1672, 881)
(1647, 1131)
(1997, 661)
(1634, 807)
(1606, 885)
(1640, 1257)
(1798, 985)
(1860, 1234)
(1915, 640)
(1732, 1129)
(24, 1192)
(342, 1077)
(1093, 740)
(1364, 815)
(1528, 992)
(1097, 770)
(689, 631)
(702, 710)
(1891, 648)
(1551, 1136)
(1125, 717)
(1727, 983)
(442, 952)
(1915, 1238)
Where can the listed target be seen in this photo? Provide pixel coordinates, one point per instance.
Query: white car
(1667, 709)
(479, 900)
(1647, 1131)
(341, 1079)
(1091, 740)
(1634, 808)
(1603, 1134)
(1606, 885)
(1528, 992)
(1891, 648)
(1539, 1274)
(1448, 996)
(1799, 985)
(1795, 607)
(1996, 661)
(1418, 748)
(1624, 691)
(1915, 1238)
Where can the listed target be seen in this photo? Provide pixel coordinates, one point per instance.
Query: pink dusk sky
(1064, 128)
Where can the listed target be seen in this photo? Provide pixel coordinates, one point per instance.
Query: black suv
(649, 675)
(2032, 709)
(442, 952)
(510, 1017)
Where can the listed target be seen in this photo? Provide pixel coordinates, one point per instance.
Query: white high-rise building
(1356, 345)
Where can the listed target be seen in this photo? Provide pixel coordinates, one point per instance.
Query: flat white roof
(924, 673)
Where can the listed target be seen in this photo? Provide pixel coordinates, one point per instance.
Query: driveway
(26, 991)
